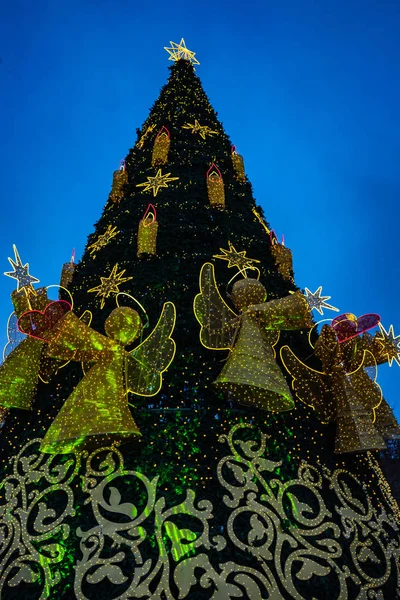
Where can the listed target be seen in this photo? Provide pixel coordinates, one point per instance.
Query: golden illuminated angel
(346, 391)
(251, 375)
(97, 410)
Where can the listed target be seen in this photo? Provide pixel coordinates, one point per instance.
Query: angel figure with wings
(98, 410)
(25, 358)
(346, 391)
(251, 375)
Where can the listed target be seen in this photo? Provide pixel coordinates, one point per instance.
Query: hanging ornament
(215, 187)
(67, 272)
(97, 410)
(251, 375)
(283, 257)
(120, 178)
(346, 391)
(147, 234)
(161, 147)
(238, 165)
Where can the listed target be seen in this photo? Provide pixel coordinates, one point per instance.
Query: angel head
(123, 325)
(247, 292)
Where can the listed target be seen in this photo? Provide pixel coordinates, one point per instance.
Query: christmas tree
(217, 480)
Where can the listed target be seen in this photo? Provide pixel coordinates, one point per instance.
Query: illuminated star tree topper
(21, 274)
(157, 182)
(315, 300)
(391, 344)
(110, 285)
(237, 259)
(180, 52)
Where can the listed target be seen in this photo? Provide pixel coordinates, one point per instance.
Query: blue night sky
(307, 90)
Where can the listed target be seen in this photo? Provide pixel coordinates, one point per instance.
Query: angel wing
(14, 335)
(146, 363)
(364, 385)
(311, 386)
(217, 320)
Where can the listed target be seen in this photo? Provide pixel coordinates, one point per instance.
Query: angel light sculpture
(98, 410)
(346, 391)
(25, 358)
(251, 375)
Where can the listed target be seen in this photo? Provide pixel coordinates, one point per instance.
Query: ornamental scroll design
(317, 535)
(32, 531)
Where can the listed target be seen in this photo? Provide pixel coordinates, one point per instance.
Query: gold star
(180, 52)
(202, 130)
(103, 240)
(157, 182)
(237, 259)
(21, 274)
(390, 344)
(110, 285)
(315, 300)
(144, 136)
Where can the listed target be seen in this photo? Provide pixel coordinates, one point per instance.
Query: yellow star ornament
(180, 52)
(157, 182)
(237, 259)
(103, 240)
(390, 343)
(110, 285)
(202, 130)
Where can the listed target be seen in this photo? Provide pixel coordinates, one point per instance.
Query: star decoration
(180, 52)
(21, 274)
(390, 343)
(236, 259)
(103, 240)
(144, 136)
(202, 130)
(315, 300)
(110, 285)
(157, 182)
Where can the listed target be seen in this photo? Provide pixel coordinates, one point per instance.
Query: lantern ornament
(215, 187)
(120, 178)
(282, 256)
(147, 234)
(238, 165)
(161, 147)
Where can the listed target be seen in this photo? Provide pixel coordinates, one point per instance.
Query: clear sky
(307, 90)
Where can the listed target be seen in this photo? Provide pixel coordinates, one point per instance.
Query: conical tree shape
(215, 499)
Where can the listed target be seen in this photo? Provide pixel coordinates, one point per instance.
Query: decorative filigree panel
(317, 535)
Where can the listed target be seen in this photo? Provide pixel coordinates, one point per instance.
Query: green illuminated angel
(251, 375)
(97, 410)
